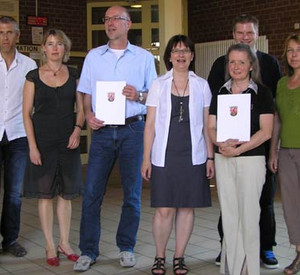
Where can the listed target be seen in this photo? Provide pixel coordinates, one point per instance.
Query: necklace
(181, 110)
(55, 72)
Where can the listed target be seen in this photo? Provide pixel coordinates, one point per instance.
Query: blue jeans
(108, 144)
(13, 154)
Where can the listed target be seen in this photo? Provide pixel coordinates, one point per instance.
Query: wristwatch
(140, 98)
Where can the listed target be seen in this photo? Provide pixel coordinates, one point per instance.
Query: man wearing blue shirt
(117, 61)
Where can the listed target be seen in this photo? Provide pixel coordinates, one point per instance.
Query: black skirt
(180, 183)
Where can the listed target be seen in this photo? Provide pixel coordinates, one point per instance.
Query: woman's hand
(229, 148)
(273, 162)
(35, 157)
(229, 151)
(146, 170)
(229, 143)
(74, 139)
(210, 169)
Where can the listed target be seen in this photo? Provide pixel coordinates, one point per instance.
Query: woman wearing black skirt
(178, 155)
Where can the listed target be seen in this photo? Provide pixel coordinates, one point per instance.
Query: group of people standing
(175, 149)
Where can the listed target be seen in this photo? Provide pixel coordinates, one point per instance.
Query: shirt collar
(106, 48)
(17, 57)
(252, 85)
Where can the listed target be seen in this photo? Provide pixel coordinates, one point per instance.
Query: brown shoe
(16, 249)
(294, 267)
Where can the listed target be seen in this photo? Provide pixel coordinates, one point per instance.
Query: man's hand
(131, 93)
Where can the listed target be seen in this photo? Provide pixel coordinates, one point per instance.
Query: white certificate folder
(110, 103)
(233, 117)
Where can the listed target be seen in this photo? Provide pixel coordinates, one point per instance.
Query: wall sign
(37, 20)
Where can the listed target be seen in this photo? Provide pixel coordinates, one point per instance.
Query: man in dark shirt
(245, 30)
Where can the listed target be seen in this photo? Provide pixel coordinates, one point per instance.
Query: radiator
(207, 53)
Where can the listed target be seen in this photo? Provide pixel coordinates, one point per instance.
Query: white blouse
(159, 96)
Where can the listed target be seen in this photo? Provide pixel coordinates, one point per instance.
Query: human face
(245, 33)
(8, 38)
(293, 54)
(239, 65)
(54, 48)
(117, 23)
(181, 57)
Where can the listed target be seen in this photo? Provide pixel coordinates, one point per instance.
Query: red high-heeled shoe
(54, 261)
(72, 257)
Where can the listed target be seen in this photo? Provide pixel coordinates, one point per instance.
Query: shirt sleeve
(152, 98)
(85, 83)
(151, 72)
(32, 75)
(207, 94)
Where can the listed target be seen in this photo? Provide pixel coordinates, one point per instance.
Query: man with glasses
(13, 143)
(117, 61)
(245, 30)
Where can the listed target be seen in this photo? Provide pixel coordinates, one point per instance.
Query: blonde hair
(63, 38)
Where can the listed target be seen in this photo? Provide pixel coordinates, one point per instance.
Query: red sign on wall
(37, 21)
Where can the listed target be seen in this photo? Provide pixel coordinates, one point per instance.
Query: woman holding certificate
(178, 155)
(286, 128)
(53, 132)
(240, 165)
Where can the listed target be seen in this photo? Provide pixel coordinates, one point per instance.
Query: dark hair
(59, 34)
(296, 38)
(255, 73)
(10, 20)
(173, 42)
(245, 18)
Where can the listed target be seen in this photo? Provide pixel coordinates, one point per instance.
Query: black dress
(53, 122)
(179, 183)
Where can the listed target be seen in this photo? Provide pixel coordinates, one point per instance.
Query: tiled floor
(200, 254)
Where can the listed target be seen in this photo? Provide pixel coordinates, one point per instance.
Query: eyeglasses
(178, 51)
(114, 19)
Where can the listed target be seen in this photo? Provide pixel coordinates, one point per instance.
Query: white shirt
(159, 96)
(11, 95)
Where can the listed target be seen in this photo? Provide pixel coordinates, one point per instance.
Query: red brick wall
(212, 20)
(67, 15)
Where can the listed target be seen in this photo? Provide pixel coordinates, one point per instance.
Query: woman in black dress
(53, 132)
(178, 155)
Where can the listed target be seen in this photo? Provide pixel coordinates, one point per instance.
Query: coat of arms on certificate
(110, 102)
(234, 117)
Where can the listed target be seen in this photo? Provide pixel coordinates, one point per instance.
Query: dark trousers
(267, 217)
(13, 155)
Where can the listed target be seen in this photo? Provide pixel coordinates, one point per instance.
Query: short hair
(255, 73)
(173, 42)
(245, 18)
(63, 38)
(10, 20)
(296, 38)
(124, 10)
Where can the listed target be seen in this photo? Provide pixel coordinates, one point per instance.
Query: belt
(129, 120)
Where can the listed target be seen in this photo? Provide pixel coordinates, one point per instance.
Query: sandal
(159, 265)
(294, 267)
(179, 265)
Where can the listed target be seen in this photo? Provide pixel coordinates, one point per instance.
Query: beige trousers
(239, 182)
(289, 178)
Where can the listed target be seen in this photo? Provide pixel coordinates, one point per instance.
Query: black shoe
(16, 250)
(268, 259)
(218, 260)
